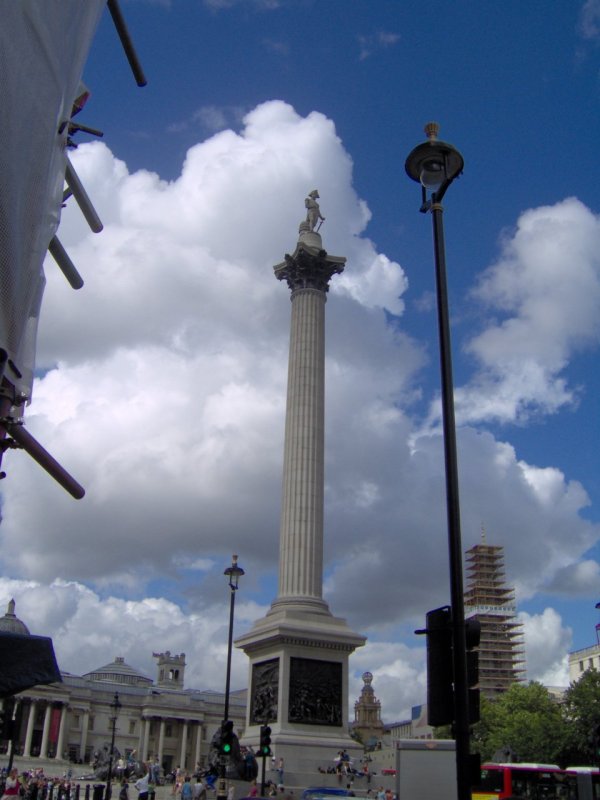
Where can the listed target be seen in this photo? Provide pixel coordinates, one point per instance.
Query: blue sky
(514, 86)
(164, 378)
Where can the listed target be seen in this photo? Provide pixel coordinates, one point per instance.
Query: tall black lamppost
(115, 706)
(233, 574)
(435, 164)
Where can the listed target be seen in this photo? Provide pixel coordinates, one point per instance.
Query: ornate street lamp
(435, 164)
(115, 706)
(233, 574)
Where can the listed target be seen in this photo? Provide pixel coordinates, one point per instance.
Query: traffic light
(472, 639)
(264, 748)
(227, 737)
(440, 673)
(475, 769)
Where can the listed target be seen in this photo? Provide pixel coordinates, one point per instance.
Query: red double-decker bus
(585, 782)
(531, 781)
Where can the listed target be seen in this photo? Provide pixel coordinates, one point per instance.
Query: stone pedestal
(299, 685)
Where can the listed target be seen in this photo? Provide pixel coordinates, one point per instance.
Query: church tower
(367, 714)
(171, 670)
(299, 651)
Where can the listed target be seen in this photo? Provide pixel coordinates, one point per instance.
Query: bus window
(490, 786)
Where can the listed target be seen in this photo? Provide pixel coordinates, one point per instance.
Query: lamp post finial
(431, 130)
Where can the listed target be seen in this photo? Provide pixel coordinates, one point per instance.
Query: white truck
(425, 769)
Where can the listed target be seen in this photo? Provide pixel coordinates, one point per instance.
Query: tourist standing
(186, 789)
(12, 785)
(142, 786)
(199, 790)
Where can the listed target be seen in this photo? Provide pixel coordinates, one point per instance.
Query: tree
(524, 720)
(581, 711)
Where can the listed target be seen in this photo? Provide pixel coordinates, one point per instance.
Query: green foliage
(443, 732)
(525, 720)
(532, 726)
(581, 710)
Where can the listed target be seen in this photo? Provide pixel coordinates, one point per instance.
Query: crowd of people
(343, 767)
(35, 785)
(182, 786)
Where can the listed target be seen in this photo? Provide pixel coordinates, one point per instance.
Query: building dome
(119, 672)
(10, 623)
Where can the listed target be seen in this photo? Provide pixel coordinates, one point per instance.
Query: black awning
(26, 661)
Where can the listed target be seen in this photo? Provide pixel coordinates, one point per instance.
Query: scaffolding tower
(488, 599)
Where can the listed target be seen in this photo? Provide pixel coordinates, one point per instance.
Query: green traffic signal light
(265, 740)
(227, 737)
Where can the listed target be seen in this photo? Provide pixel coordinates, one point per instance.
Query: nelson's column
(299, 651)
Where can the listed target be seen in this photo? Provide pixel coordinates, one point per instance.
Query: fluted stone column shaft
(146, 740)
(61, 732)
(29, 731)
(198, 745)
(184, 736)
(84, 734)
(45, 732)
(161, 741)
(301, 535)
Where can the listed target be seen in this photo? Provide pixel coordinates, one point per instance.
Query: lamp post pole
(233, 574)
(115, 705)
(435, 165)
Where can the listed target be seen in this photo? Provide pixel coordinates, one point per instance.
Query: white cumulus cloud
(163, 391)
(541, 301)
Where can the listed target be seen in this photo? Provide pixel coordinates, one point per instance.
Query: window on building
(591, 663)
(76, 720)
(169, 730)
(131, 726)
(91, 723)
(581, 666)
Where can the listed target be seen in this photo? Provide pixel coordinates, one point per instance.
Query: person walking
(142, 785)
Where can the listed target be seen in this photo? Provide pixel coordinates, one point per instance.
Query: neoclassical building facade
(155, 718)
